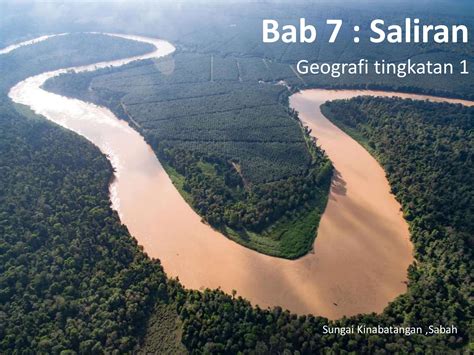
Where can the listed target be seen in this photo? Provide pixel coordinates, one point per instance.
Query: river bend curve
(362, 250)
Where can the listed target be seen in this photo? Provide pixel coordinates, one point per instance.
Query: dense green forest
(436, 145)
(73, 278)
(232, 146)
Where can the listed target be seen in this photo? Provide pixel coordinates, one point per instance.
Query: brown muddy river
(362, 250)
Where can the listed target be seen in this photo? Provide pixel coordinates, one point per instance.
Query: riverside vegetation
(65, 313)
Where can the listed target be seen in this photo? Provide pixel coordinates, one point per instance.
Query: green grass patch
(25, 111)
(178, 181)
(164, 332)
(207, 168)
(289, 237)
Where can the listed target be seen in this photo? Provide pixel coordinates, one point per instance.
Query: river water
(360, 255)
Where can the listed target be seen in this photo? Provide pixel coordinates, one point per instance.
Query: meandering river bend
(360, 255)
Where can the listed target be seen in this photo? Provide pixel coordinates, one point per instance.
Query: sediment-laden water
(362, 250)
